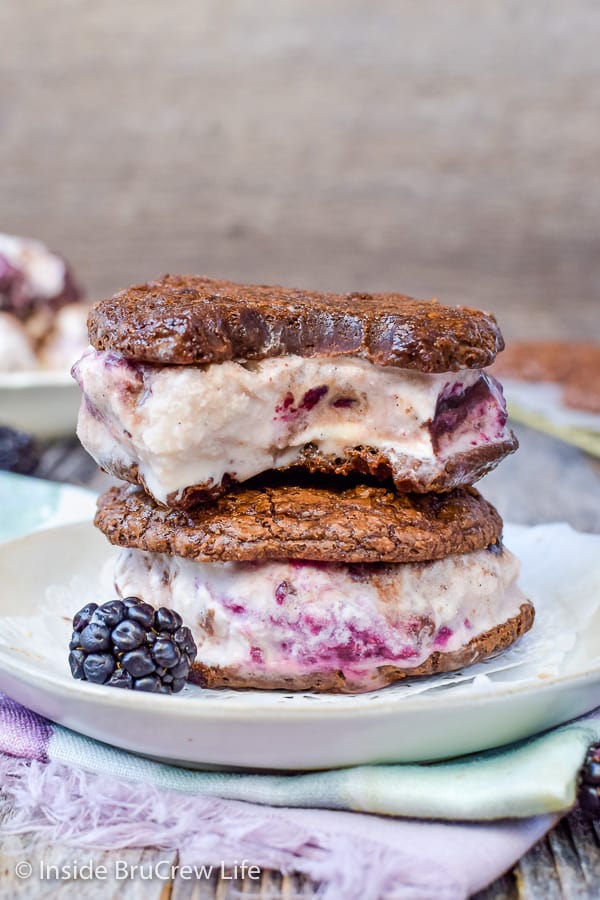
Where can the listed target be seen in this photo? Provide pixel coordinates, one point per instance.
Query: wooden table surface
(547, 480)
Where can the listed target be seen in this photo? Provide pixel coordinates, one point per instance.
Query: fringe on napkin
(75, 807)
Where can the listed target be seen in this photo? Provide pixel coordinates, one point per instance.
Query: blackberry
(128, 644)
(589, 785)
(19, 451)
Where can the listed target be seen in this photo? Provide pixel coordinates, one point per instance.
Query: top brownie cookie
(194, 320)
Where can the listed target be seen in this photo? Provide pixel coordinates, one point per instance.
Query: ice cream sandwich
(323, 587)
(194, 385)
(300, 468)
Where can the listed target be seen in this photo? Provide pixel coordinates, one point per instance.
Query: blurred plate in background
(42, 403)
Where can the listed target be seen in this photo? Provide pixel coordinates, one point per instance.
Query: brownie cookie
(194, 320)
(465, 468)
(479, 648)
(327, 523)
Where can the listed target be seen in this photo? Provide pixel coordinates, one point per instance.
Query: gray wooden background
(438, 148)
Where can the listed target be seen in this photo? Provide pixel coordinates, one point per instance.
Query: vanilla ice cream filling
(294, 617)
(193, 425)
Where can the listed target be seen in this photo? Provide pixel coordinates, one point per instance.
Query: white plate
(556, 675)
(42, 403)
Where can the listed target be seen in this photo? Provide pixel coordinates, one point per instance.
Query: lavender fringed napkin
(81, 792)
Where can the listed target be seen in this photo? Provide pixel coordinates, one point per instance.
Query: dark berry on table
(74, 642)
(592, 772)
(148, 683)
(95, 637)
(181, 670)
(109, 614)
(142, 613)
(84, 616)
(138, 662)
(166, 652)
(128, 635)
(128, 644)
(167, 620)
(98, 667)
(18, 451)
(589, 787)
(589, 800)
(184, 639)
(120, 678)
(76, 660)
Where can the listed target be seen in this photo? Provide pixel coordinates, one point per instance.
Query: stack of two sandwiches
(299, 471)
